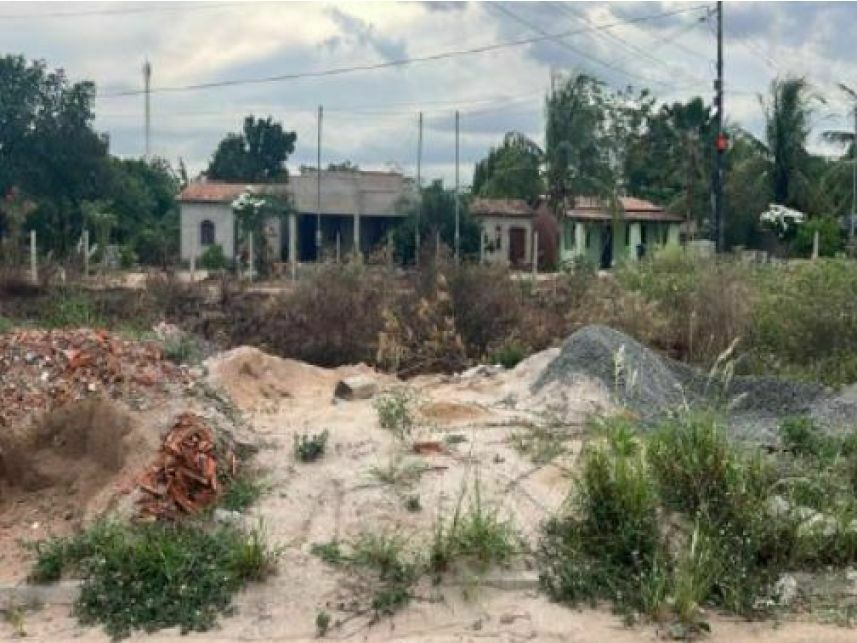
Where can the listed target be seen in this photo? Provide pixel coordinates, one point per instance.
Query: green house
(589, 229)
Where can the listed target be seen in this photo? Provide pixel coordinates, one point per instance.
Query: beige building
(357, 208)
(507, 229)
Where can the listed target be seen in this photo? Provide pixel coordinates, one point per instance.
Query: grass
(183, 348)
(242, 492)
(6, 324)
(543, 441)
(153, 576)
(399, 472)
(395, 409)
(309, 447)
(677, 520)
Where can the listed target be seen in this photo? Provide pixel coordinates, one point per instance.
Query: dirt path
(337, 497)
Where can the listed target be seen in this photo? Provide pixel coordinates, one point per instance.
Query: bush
(395, 411)
(805, 321)
(213, 258)
(310, 447)
(153, 576)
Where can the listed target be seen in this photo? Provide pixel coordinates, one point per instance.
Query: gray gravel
(652, 385)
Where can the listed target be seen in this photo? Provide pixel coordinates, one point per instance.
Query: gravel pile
(651, 385)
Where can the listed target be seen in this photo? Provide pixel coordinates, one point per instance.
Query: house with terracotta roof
(633, 228)
(356, 210)
(507, 229)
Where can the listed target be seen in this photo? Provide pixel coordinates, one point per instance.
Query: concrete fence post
(535, 253)
(481, 247)
(193, 258)
(34, 269)
(86, 253)
(437, 245)
(338, 246)
(815, 243)
(250, 260)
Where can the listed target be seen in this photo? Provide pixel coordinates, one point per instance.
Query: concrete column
(293, 243)
(636, 239)
(673, 234)
(251, 258)
(193, 256)
(481, 246)
(34, 270)
(535, 253)
(579, 239)
(358, 252)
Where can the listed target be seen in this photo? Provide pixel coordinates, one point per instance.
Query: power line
(148, 8)
(338, 71)
(634, 49)
(562, 43)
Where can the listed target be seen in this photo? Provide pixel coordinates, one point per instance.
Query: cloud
(356, 31)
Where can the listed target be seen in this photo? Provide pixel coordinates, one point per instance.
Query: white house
(355, 205)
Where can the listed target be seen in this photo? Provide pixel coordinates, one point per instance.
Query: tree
(576, 153)
(344, 166)
(257, 155)
(48, 148)
(436, 215)
(512, 170)
(788, 115)
(844, 138)
(255, 215)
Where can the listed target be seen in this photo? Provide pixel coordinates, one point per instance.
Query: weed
(473, 533)
(310, 447)
(508, 355)
(399, 472)
(330, 552)
(413, 504)
(69, 308)
(242, 492)
(6, 324)
(395, 410)
(452, 439)
(322, 623)
(184, 349)
(542, 441)
(152, 576)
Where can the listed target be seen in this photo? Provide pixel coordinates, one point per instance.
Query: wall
(499, 253)
(193, 214)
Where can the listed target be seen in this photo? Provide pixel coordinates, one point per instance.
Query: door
(517, 245)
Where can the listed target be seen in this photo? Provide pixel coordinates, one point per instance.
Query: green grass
(184, 349)
(309, 447)
(679, 519)
(399, 472)
(395, 409)
(243, 492)
(153, 576)
(6, 324)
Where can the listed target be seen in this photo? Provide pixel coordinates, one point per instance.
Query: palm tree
(846, 138)
(788, 115)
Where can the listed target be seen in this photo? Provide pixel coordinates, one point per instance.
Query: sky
(370, 116)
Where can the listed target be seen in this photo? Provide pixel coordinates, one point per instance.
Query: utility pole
(457, 231)
(318, 192)
(853, 180)
(147, 77)
(419, 192)
(721, 142)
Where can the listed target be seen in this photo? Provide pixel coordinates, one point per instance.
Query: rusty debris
(183, 478)
(42, 369)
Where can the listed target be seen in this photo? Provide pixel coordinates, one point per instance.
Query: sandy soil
(337, 497)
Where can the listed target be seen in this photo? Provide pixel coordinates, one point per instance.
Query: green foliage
(153, 576)
(399, 472)
(413, 504)
(830, 239)
(310, 447)
(508, 355)
(184, 348)
(804, 321)
(395, 409)
(212, 258)
(6, 325)
(474, 533)
(330, 552)
(511, 170)
(322, 623)
(257, 155)
(70, 308)
(242, 492)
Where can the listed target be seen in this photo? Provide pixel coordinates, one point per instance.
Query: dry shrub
(332, 318)
(422, 337)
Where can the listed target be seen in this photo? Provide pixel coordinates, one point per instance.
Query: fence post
(338, 246)
(86, 253)
(251, 258)
(535, 253)
(815, 245)
(481, 247)
(437, 245)
(34, 270)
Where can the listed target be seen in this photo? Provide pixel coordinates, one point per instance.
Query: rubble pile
(183, 478)
(40, 370)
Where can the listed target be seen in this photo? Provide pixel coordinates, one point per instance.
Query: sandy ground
(337, 497)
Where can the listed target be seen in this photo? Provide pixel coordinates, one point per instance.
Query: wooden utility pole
(419, 191)
(457, 215)
(147, 77)
(318, 191)
(721, 142)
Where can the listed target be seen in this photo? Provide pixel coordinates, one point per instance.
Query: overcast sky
(371, 116)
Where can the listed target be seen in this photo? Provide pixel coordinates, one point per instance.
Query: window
(206, 233)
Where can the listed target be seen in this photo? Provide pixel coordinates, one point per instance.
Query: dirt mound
(640, 378)
(650, 385)
(451, 411)
(41, 370)
(253, 378)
